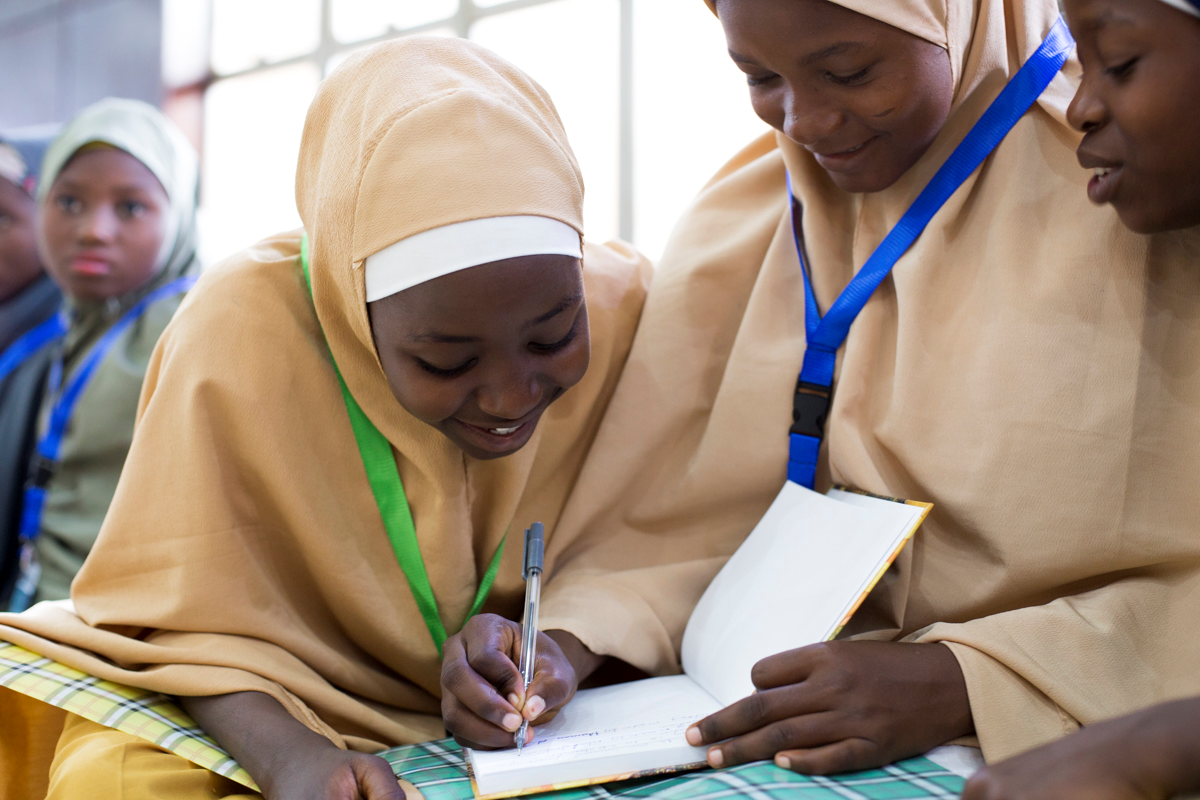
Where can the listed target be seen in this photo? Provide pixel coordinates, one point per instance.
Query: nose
(98, 224)
(1087, 111)
(808, 118)
(511, 391)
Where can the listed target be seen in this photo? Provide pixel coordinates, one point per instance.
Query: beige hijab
(244, 549)
(1029, 367)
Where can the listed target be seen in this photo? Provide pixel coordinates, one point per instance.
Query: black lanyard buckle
(810, 408)
(41, 471)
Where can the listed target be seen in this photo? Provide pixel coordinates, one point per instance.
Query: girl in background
(29, 302)
(117, 204)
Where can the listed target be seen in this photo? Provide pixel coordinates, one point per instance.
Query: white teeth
(1102, 171)
(502, 431)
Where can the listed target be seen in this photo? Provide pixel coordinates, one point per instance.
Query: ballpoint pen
(535, 550)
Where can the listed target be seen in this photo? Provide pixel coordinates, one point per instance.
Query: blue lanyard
(45, 458)
(30, 342)
(825, 334)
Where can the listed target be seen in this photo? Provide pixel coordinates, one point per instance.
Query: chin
(1145, 219)
(863, 183)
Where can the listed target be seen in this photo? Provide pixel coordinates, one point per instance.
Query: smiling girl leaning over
(341, 430)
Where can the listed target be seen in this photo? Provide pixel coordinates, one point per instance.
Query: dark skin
(483, 348)
(1151, 755)
(831, 80)
(103, 224)
(1136, 107)
(20, 264)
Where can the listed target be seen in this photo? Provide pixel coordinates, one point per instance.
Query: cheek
(142, 239)
(768, 106)
(569, 367)
(426, 397)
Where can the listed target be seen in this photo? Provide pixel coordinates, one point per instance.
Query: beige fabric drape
(244, 549)
(1030, 368)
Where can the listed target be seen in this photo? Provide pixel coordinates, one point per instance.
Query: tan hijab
(1030, 368)
(244, 549)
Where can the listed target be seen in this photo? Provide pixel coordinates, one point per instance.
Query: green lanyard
(384, 477)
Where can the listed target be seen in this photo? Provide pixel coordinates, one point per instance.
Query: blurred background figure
(29, 301)
(116, 231)
(237, 76)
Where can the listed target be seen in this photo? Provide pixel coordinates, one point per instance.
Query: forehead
(104, 167)
(1092, 16)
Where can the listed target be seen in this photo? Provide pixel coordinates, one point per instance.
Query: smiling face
(481, 353)
(103, 224)
(866, 99)
(1139, 109)
(19, 261)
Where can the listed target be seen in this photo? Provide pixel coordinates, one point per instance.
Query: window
(651, 103)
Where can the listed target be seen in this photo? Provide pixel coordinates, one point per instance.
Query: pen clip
(535, 549)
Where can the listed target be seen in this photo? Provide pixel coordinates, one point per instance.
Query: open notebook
(817, 554)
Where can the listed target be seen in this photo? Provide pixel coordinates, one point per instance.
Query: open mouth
(1103, 184)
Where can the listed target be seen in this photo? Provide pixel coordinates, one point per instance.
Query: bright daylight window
(651, 102)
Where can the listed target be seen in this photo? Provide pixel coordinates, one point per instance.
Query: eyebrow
(76, 185)
(444, 338)
(839, 49)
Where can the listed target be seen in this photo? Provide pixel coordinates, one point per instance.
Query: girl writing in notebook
(1025, 363)
(344, 433)
(1139, 110)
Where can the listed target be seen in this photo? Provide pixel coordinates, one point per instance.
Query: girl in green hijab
(116, 206)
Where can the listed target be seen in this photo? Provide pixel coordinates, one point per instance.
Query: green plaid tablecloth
(437, 769)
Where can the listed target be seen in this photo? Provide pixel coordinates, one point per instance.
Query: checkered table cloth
(437, 768)
(147, 715)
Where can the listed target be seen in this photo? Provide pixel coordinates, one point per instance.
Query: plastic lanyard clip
(810, 409)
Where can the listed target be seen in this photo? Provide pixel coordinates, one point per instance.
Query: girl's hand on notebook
(842, 706)
(483, 696)
(1150, 755)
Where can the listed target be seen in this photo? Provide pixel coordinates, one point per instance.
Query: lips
(1103, 185)
(499, 440)
(1106, 176)
(90, 267)
(842, 160)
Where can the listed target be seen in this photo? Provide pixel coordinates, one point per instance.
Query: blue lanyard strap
(825, 334)
(48, 445)
(30, 342)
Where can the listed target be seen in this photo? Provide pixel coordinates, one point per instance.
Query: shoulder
(256, 292)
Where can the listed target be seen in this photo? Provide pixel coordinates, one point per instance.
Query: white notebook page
(789, 584)
(624, 728)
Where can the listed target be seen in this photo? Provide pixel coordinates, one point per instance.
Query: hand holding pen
(487, 694)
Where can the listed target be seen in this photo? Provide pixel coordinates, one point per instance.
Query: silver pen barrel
(532, 572)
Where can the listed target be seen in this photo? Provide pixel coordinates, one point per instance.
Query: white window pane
(247, 32)
(355, 20)
(571, 48)
(185, 45)
(251, 141)
(691, 112)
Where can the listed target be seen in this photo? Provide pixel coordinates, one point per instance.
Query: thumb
(376, 781)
